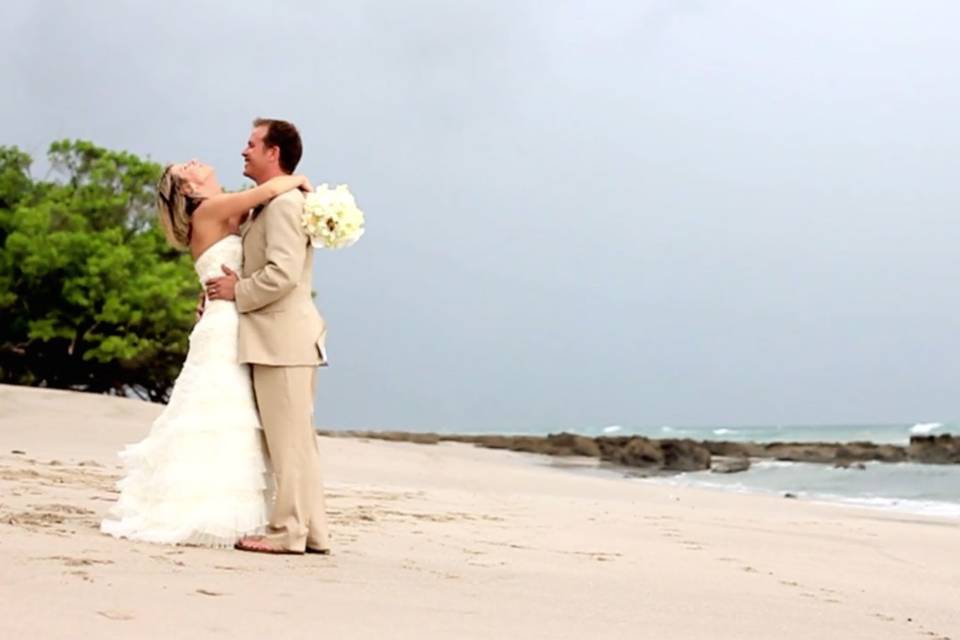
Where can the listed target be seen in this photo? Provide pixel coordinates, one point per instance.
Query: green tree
(91, 296)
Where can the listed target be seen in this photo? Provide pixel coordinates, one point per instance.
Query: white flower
(331, 217)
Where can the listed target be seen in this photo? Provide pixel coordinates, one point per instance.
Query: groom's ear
(274, 154)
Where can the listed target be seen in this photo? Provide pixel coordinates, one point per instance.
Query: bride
(201, 476)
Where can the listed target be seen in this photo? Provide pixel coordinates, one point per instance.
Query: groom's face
(259, 159)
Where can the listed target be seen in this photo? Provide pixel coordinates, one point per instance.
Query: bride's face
(195, 176)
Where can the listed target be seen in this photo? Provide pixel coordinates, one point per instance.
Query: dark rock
(942, 449)
(732, 449)
(828, 452)
(523, 444)
(610, 445)
(802, 452)
(816, 452)
(731, 465)
(669, 455)
(846, 464)
(792, 496)
(684, 455)
(637, 452)
(865, 451)
(574, 444)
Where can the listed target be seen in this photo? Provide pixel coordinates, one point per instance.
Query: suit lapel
(250, 221)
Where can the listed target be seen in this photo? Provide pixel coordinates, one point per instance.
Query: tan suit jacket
(279, 324)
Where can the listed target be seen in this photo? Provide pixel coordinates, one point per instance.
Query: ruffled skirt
(201, 476)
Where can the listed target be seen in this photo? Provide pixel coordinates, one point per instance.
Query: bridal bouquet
(332, 218)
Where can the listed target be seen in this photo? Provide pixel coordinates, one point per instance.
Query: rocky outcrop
(826, 452)
(684, 455)
(631, 451)
(942, 449)
(820, 452)
(692, 455)
(576, 445)
(668, 455)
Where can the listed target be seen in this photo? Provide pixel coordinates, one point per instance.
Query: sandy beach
(452, 541)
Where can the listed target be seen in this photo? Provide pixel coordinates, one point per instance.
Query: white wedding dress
(201, 476)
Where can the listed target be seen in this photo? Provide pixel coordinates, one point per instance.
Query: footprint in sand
(691, 545)
(62, 508)
(176, 563)
(80, 562)
(47, 517)
(74, 563)
(487, 565)
(34, 520)
(412, 566)
(116, 615)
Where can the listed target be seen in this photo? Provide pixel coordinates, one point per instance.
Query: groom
(281, 337)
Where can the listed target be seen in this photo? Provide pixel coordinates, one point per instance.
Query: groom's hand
(222, 288)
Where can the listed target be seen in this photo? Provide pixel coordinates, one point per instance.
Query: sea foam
(923, 428)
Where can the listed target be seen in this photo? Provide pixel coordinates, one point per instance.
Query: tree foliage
(91, 296)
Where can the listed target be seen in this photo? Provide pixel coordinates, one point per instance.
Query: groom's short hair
(283, 135)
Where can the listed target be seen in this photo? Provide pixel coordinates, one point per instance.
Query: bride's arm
(228, 205)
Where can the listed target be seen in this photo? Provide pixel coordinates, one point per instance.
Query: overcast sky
(579, 213)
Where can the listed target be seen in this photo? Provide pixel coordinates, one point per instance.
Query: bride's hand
(305, 185)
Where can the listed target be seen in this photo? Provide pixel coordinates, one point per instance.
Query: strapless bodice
(226, 251)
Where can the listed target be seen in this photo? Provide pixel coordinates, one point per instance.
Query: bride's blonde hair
(176, 208)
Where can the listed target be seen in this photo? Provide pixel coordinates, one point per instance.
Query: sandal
(261, 545)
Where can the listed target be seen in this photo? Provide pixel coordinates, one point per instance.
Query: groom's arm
(286, 252)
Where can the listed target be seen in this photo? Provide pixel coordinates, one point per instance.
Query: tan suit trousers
(285, 401)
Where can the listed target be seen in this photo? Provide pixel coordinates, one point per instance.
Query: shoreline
(712, 482)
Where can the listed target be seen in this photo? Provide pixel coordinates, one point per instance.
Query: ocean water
(932, 490)
(923, 489)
